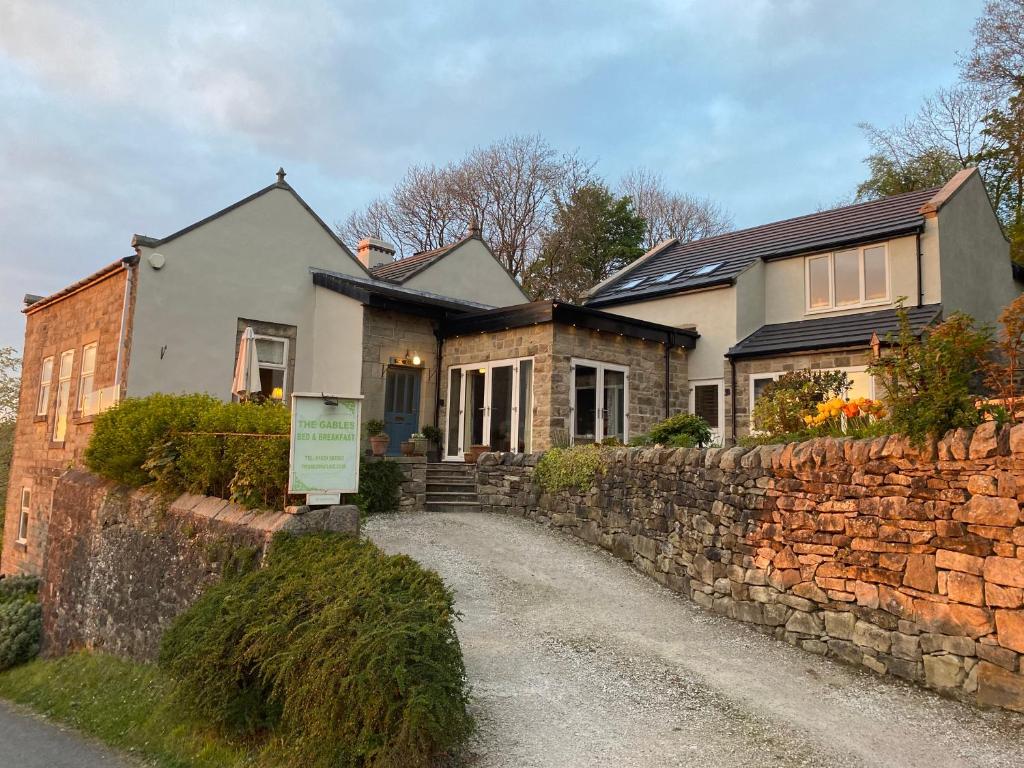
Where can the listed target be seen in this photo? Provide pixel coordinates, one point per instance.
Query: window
(599, 405)
(272, 352)
(26, 506)
(707, 269)
(758, 383)
(707, 402)
(45, 378)
(664, 278)
(852, 278)
(86, 375)
(60, 421)
(631, 283)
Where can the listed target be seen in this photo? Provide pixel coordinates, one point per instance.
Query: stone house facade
(76, 345)
(816, 284)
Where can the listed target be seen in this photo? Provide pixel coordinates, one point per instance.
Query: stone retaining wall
(120, 564)
(907, 562)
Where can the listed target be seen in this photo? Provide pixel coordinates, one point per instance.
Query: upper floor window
(60, 421)
(45, 379)
(852, 278)
(86, 376)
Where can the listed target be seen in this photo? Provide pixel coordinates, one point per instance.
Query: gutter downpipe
(130, 263)
(732, 397)
(668, 377)
(920, 287)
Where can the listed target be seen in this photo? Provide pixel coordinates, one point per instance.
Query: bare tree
(670, 214)
(996, 61)
(510, 188)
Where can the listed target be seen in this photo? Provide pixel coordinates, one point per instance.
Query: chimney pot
(474, 229)
(373, 252)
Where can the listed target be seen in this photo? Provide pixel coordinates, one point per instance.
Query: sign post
(324, 451)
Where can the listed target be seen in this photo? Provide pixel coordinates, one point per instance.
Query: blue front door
(401, 405)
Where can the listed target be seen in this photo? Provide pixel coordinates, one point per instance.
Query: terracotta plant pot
(379, 444)
(474, 453)
(408, 447)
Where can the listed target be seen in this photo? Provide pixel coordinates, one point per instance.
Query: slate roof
(679, 264)
(401, 270)
(362, 288)
(830, 332)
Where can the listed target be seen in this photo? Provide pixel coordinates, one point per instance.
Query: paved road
(577, 660)
(29, 742)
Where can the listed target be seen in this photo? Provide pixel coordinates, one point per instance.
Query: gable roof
(153, 242)
(401, 270)
(831, 332)
(712, 261)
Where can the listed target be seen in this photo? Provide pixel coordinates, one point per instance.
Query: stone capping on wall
(907, 561)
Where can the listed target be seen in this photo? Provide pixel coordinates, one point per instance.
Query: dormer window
(855, 277)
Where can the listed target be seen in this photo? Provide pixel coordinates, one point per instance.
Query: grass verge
(125, 705)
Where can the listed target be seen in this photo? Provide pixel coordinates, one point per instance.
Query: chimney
(374, 252)
(474, 229)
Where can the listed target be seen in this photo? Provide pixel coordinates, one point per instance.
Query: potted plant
(408, 447)
(419, 443)
(378, 437)
(474, 453)
(435, 436)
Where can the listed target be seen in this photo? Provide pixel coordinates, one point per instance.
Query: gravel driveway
(577, 660)
(28, 741)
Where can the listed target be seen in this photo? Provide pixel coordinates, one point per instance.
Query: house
(444, 337)
(810, 292)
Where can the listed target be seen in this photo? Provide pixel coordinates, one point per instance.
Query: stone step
(462, 490)
(468, 479)
(452, 506)
(451, 496)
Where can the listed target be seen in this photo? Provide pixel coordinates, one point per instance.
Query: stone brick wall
(388, 335)
(93, 314)
(120, 565)
(907, 562)
(826, 360)
(552, 347)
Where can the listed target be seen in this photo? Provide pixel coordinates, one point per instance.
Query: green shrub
(380, 486)
(570, 468)
(194, 443)
(928, 379)
(21, 621)
(683, 430)
(348, 655)
(123, 437)
(375, 427)
(785, 402)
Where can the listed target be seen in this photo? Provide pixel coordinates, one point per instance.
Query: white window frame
(23, 518)
(832, 306)
(486, 366)
(717, 430)
(60, 416)
(776, 375)
(275, 366)
(45, 386)
(86, 375)
(601, 367)
(773, 376)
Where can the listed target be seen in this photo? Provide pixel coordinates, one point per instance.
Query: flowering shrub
(838, 416)
(786, 403)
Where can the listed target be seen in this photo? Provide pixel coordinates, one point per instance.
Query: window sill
(21, 545)
(847, 307)
(37, 419)
(78, 418)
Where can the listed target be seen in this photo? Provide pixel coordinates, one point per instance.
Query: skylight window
(707, 269)
(631, 283)
(665, 277)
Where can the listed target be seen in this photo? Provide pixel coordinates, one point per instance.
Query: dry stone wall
(907, 562)
(121, 564)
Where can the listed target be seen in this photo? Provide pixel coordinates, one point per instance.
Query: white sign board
(324, 452)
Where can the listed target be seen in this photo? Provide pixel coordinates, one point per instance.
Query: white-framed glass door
(489, 404)
(707, 400)
(599, 405)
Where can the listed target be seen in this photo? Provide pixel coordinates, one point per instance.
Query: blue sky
(123, 117)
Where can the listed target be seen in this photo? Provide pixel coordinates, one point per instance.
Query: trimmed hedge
(570, 468)
(346, 655)
(21, 620)
(195, 443)
(380, 487)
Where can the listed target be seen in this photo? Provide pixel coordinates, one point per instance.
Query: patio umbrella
(247, 369)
